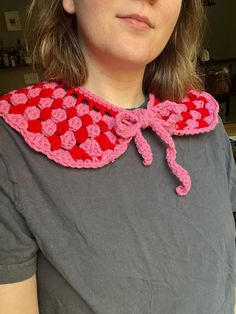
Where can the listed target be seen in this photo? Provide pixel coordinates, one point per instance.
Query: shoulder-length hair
(52, 40)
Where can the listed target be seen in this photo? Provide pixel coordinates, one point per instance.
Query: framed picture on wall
(13, 20)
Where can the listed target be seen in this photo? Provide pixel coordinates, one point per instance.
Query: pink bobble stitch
(34, 92)
(45, 103)
(199, 104)
(48, 127)
(174, 118)
(4, 107)
(110, 121)
(75, 123)
(68, 140)
(96, 116)
(195, 114)
(58, 115)
(91, 147)
(50, 85)
(32, 113)
(93, 130)
(69, 101)
(192, 123)
(17, 99)
(82, 109)
(59, 93)
(208, 119)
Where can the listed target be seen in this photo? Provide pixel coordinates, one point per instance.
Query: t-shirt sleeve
(231, 170)
(18, 248)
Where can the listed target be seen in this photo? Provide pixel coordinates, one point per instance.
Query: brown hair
(52, 40)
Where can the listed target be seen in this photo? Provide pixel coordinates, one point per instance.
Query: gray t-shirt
(118, 239)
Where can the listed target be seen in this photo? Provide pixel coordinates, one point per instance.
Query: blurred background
(217, 60)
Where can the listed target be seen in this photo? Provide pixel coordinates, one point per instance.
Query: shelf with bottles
(15, 57)
(220, 81)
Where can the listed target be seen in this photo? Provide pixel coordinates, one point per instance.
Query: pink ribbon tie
(128, 124)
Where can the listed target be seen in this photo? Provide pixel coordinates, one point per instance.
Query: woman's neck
(123, 89)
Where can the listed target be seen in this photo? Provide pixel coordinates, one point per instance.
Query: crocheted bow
(129, 124)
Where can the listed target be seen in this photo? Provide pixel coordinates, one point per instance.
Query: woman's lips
(137, 22)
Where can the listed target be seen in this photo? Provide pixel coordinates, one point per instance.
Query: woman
(102, 232)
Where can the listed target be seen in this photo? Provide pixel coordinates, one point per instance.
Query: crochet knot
(127, 124)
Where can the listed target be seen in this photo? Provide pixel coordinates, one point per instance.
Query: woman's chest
(125, 218)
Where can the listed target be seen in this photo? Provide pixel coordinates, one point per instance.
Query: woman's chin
(130, 60)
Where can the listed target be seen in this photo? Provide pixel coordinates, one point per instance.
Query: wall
(10, 38)
(11, 79)
(220, 37)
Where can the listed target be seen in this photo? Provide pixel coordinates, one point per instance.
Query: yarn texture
(75, 128)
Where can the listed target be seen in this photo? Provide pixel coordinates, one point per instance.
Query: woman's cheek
(169, 13)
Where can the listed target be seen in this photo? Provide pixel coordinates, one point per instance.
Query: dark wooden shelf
(16, 68)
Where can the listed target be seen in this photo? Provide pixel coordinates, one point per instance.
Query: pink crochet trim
(78, 129)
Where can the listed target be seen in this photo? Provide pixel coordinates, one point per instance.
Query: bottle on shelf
(5, 59)
(1, 60)
(21, 54)
(28, 59)
(13, 58)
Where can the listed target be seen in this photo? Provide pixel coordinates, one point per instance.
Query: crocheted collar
(75, 128)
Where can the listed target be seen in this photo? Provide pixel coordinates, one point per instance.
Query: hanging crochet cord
(129, 124)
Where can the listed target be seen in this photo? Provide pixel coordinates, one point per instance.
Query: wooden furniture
(231, 130)
(217, 64)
